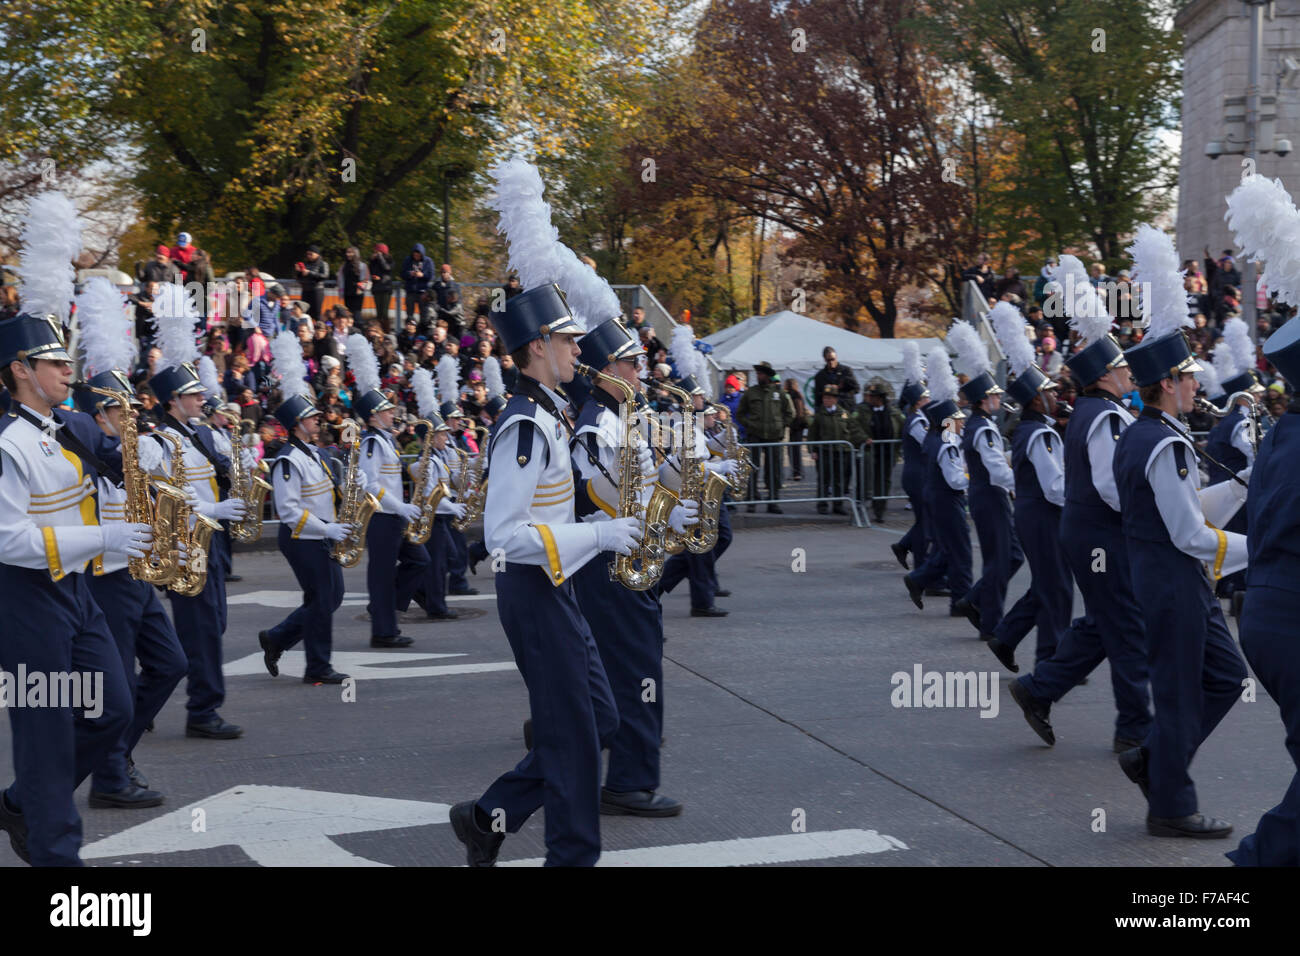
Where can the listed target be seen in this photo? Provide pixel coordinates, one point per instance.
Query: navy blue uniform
(1219, 446)
(916, 542)
(946, 516)
(990, 510)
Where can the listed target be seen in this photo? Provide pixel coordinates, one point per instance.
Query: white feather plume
(525, 220)
(588, 295)
(448, 380)
(106, 338)
(492, 376)
(426, 397)
(174, 319)
(1009, 326)
(286, 357)
(972, 357)
(51, 240)
(702, 374)
(1085, 307)
(211, 381)
(912, 370)
(362, 361)
(1237, 338)
(1208, 376)
(943, 384)
(1155, 267)
(1225, 363)
(1266, 225)
(680, 348)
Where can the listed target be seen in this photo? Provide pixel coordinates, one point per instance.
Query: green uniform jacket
(765, 412)
(837, 425)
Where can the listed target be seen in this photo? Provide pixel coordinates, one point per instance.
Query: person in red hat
(158, 269)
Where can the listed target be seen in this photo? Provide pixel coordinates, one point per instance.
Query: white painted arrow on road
(367, 665)
(275, 826)
(788, 848)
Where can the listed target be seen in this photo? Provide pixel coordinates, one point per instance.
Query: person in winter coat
(354, 280)
(835, 423)
(312, 273)
(798, 425)
(381, 284)
(766, 412)
(417, 280)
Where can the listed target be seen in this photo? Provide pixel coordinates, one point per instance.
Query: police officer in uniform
(48, 535)
(832, 421)
(912, 400)
(529, 515)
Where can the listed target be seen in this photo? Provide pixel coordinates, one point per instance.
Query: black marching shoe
(333, 677)
(1003, 653)
(1134, 764)
(270, 654)
(481, 848)
(774, 510)
(1197, 826)
(900, 553)
(131, 798)
(638, 803)
(708, 612)
(914, 591)
(965, 609)
(722, 592)
(448, 615)
(465, 591)
(1036, 712)
(397, 640)
(214, 729)
(1122, 744)
(12, 822)
(134, 775)
(937, 592)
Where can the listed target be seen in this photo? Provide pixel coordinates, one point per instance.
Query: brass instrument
(247, 487)
(357, 506)
(166, 518)
(418, 531)
(643, 568)
(739, 479)
(698, 484)
(191, 579)
(472, 489)
(1258, 417)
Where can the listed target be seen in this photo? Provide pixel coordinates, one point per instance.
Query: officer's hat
(1244, 382)
(1091, 363)
(495, 405)
(451, 409)
(978, 387)
(438, 425)
(1028, 384)
(534, 313)
(28, 336)
(688, 385)
(912, 393)
(371, 402)
(1283, 350)
(831, 389)
(936, 412)
(765, 367)
(92, 402)
(1153, 359)
(294, 409)
(607, 343)
(173, 382)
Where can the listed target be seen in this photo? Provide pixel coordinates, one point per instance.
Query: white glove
(192, 497)
(1244, 474)
(408, 512)
(646, 458)
(247, 458)
(182, 552)
(150, 455)
(133, 539)
(337, 532)
(684, 515)
(726, 468)
(456, 509)
(950, 438)
(618, 535)
(232, 509)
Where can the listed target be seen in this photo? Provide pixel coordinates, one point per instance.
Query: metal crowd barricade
(835, 476)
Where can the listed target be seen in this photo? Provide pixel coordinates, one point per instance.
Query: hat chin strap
(550, 358)
(36, 385)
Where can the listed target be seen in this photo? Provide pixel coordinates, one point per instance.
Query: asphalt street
(782, 738)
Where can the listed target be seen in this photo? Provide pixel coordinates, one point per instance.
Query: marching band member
(529, 515)
(1171, 527)
(440, 546)
(716, 441)
(1092, 534)
(200, 620)
(461, 428)
(1037, 460)
(304, 498)
(912, 400)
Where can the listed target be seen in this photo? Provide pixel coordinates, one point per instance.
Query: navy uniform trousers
(457, 559)
(200, 622)
(142, 630)
(573, 714)
(916, 542)
(699, 569)
(1000, 554)
(1112, 629)
(60, 630)
(1268, 637)
(629, 631)
(951, 560)
(395, 570)
(312, 622)
(438, 549)
(1196, 669)
(1050, 598)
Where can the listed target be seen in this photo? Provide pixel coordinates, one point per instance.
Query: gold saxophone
(698, 484)
(247, 486)
(358, 506)
(191, 579)
(739, 479)
(643, 568)
(166, 518)
(418, 531)
(472, 490)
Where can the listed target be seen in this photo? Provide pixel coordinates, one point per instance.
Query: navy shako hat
(534, 313)
(1028, 384)
(371, 402)
(28, 336)
(688, 385)
(173, 382)
(1096, 359)
(1240, 383)
(607, 343)
(978, 387)
(936, 412)
(438, 425)
(1283, 349)
(912, 393)
(450, 410)
(91, 402)
(495, 405)
(294, 409)
(1154, 359)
